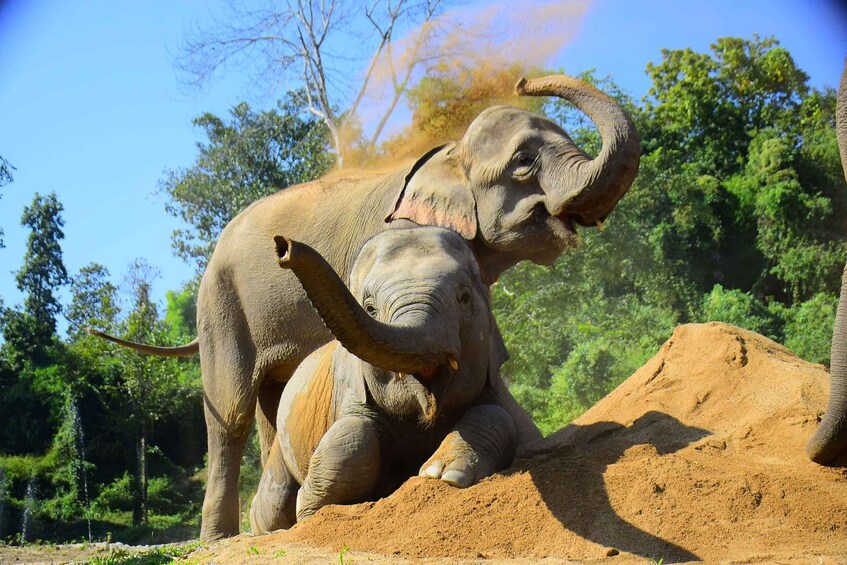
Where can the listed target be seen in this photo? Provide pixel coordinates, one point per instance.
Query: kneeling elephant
(406, 387)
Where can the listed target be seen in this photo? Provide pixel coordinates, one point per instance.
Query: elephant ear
(346, 370)
(436, 193)
(498, 354)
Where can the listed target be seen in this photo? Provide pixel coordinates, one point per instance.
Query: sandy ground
(697, 457)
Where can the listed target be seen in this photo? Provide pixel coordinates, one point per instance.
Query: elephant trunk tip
(92, 331)
(520, 87)
(828, 448)
(283, 250)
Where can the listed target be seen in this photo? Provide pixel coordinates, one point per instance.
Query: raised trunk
(584, 188)
(830, 439)
(406, 349)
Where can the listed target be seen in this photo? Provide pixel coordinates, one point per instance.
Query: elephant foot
(482, 443)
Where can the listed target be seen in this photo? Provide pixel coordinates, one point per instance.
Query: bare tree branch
(292, 42)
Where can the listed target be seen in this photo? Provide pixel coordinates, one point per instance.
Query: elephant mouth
(568, 221)
(428, 387)
(563, 227)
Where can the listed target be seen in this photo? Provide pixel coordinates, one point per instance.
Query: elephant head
(516, 184)
(417, 313)
(830, 439)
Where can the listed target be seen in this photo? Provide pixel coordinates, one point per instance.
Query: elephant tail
(186, 350)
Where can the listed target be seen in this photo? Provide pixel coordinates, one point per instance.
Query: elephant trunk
(397, 348)
(583, 188)
(830, 439)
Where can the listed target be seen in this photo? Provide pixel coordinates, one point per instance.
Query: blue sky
(90, 106)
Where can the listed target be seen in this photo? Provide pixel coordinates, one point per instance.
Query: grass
(156, 556)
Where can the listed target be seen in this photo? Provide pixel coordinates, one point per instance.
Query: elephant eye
(370, 308)
(524, 164)
(523, 159)
(465, 299)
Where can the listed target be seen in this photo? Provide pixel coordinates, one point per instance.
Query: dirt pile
(698, 456)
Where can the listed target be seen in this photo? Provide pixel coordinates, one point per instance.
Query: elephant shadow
(568, 470)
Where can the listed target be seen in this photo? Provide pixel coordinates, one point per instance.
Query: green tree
(181, 312)
(148, 390)
(34, 381)
(42, 274)
(93, 302)
(252, 155)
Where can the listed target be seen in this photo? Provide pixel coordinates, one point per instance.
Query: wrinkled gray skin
(830, 440)
(353, 427)
(513, 187)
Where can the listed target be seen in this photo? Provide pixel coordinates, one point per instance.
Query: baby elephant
(405, 388)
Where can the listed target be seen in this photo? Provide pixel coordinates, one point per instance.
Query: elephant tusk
(453, 362)
(600, 225)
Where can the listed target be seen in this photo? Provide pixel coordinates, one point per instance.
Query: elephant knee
(273, 506)
(344, 468)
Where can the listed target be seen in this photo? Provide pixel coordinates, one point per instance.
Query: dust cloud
(425, 87)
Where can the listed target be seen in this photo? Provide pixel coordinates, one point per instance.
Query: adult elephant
(830, 440)
(514, 186)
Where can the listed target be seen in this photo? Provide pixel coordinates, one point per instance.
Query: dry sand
(697, 456)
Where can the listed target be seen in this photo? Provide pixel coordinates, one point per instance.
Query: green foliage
(251, 156)
(181, 312)
(808, 327)
(740, 309)
(43, 271)
(156, 556)
(116, 496)
(29, 333)
(93, 302)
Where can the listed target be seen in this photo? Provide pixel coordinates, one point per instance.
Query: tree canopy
(250, 156)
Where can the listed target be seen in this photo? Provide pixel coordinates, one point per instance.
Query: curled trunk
(588, 189)
(830, 439)
(406, 349)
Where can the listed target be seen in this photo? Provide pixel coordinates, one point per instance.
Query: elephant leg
(266, 408)
(344, 468)
(274, 506)
(221, 513)
(482, 443)
(230, 390)
(830, 440)
(525, 427)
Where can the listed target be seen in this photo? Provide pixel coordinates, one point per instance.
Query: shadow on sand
(568, 468)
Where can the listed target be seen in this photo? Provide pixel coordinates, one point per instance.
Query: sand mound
(699, 455)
